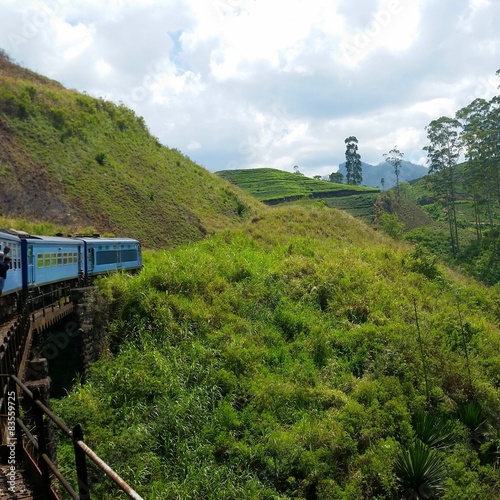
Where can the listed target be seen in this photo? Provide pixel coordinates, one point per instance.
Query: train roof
(23, 235)
(16, 235)
(12, 234)
(56, 240)
(107, 241)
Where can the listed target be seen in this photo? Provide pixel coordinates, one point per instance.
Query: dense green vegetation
(477, 256)
(268, 184)
(360, 205)
(78, 161)
(283, 360)
(465, 197)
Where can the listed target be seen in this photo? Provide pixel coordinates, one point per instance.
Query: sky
(268, 83)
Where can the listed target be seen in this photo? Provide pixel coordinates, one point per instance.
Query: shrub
(100, 158)
(472, 416)
(434, 431)
(423, 262)
(391, 225)
(420, 471)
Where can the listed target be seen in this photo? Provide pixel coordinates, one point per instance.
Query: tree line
(472, 134)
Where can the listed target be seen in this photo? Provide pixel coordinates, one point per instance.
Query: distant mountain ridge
(372, 174)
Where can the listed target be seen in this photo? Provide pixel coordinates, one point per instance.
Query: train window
(106, 257)
(46, 259)
(75, 258)
(53, 259)
(129, 255)
(59, 258)
(65, 258)
(39, 260)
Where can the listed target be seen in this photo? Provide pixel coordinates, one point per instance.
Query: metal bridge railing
(32, 446)
(49, 301)
(46, 469)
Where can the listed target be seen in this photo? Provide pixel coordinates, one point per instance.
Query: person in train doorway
(4, 267)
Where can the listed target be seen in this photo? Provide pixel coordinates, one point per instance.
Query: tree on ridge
(353, 162)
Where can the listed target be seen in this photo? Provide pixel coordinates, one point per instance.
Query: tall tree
(353, 161)
(443, 153)
(480, 171)
(395, 158)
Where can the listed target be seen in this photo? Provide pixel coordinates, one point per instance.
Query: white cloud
(394, 26)
(252, 83)
(71, 40)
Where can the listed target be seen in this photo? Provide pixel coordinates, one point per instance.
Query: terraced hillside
(276, 186)
(359, 205)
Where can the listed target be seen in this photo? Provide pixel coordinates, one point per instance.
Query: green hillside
(283, 360)
(359, 205)
(272, 186)
(276, 186)
(71, 159)
(420, 191)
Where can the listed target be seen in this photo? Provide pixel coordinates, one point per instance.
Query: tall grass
(280, 361)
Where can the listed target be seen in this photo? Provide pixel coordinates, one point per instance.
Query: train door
(118, 256)
(81, 268)
(90, 259)
(31, 265)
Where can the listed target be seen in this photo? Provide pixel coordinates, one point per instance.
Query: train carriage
(42, 263)
(103, 255)
(14, 281)
(51, 259)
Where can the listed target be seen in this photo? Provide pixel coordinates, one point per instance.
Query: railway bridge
(28, 464)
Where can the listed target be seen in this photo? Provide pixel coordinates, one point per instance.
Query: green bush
(420, 471)
(391, 225)
(423, 262)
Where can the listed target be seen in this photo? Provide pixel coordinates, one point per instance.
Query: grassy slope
(52, 139)
(276, 186)
(360, 205)
(434, 234)
(268, 184)
(282, 361)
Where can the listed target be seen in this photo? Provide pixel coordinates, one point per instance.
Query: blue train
(38, 261)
